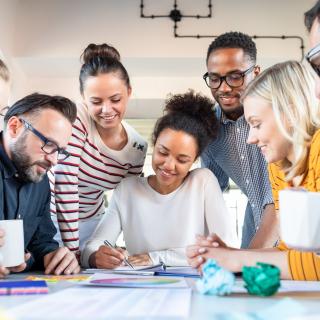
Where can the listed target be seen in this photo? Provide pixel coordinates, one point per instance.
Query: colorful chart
(54, 278)
(136, 282)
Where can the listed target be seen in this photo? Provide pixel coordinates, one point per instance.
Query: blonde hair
(289, 88)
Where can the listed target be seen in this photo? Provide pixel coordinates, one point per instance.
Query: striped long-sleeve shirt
(78, 183)
(302, 265)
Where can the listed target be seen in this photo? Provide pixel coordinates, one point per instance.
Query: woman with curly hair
(161, 214)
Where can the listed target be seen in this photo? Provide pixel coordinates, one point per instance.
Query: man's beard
(234, 112)
(22, 161)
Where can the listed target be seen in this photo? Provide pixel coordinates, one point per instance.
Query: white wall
(44, 39)
(8, 18)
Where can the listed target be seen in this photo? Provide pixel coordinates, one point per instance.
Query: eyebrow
(179, 155)
(48, 138)
(231, 71)
(251, 118)
(54, 141)
(113, 96)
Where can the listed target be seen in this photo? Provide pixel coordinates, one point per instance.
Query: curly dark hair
(192, 113)
(311, 15)
(234, 40)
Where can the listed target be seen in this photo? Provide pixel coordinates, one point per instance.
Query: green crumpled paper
(262, 280)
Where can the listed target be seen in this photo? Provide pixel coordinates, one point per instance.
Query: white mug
(12, 252)
(300, 219)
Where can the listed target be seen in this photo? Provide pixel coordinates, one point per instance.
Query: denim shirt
(31, 203)
(229, 156)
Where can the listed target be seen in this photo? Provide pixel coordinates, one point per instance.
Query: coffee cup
(12, 252)
(300, 219)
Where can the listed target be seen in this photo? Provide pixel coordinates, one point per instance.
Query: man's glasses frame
(49, 147)
(311, 54)
(226, 78)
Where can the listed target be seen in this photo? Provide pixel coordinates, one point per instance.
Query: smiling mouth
(109, 118)
(227, 99)
(165, 173)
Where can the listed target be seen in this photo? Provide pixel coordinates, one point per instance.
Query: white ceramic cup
(12, 252)
(300, 219)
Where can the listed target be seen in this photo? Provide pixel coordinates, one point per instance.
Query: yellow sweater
(302, 265)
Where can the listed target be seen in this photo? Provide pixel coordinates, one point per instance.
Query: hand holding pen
(126, 262)
(107, 257)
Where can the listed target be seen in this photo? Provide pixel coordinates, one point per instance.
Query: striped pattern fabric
(78, 183)
(229, 156)
(302, 265)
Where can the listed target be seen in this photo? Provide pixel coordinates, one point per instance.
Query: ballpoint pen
(107, 243)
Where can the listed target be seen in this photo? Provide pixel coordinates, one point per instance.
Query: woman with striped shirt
(284, 119)
(104, 149)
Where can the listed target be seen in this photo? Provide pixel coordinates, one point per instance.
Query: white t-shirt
(163, 225)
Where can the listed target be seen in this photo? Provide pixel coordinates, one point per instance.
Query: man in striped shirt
(231, 64)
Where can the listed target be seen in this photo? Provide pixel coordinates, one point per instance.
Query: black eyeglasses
(233, 79)
(313, 57)
(49, 147)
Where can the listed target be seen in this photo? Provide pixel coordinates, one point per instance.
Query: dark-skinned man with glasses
(37, 129)
(231, 65)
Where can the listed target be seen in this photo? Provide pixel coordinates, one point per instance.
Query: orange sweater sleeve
(302, 265)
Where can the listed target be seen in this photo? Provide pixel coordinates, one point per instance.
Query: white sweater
(79, 182)
(163, 225)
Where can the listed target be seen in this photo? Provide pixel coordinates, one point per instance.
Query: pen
(107, 243)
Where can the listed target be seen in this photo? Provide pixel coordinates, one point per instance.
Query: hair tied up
(99, 50)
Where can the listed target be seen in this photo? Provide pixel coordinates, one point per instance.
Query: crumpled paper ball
(215, 280)
(262, 280)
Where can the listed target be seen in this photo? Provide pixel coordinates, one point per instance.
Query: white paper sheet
(286, 286)
(301, 286)
(105, 303)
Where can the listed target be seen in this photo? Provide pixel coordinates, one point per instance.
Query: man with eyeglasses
(36, 131)
(312, 22)
(231, 65)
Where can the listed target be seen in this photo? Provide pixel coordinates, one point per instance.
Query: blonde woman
(284, 119)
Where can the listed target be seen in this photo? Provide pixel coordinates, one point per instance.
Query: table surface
(204, 306)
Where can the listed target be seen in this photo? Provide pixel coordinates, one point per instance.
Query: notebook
(154, 270)
(23, 287)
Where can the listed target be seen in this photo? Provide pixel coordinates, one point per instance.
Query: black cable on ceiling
(176, 16)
